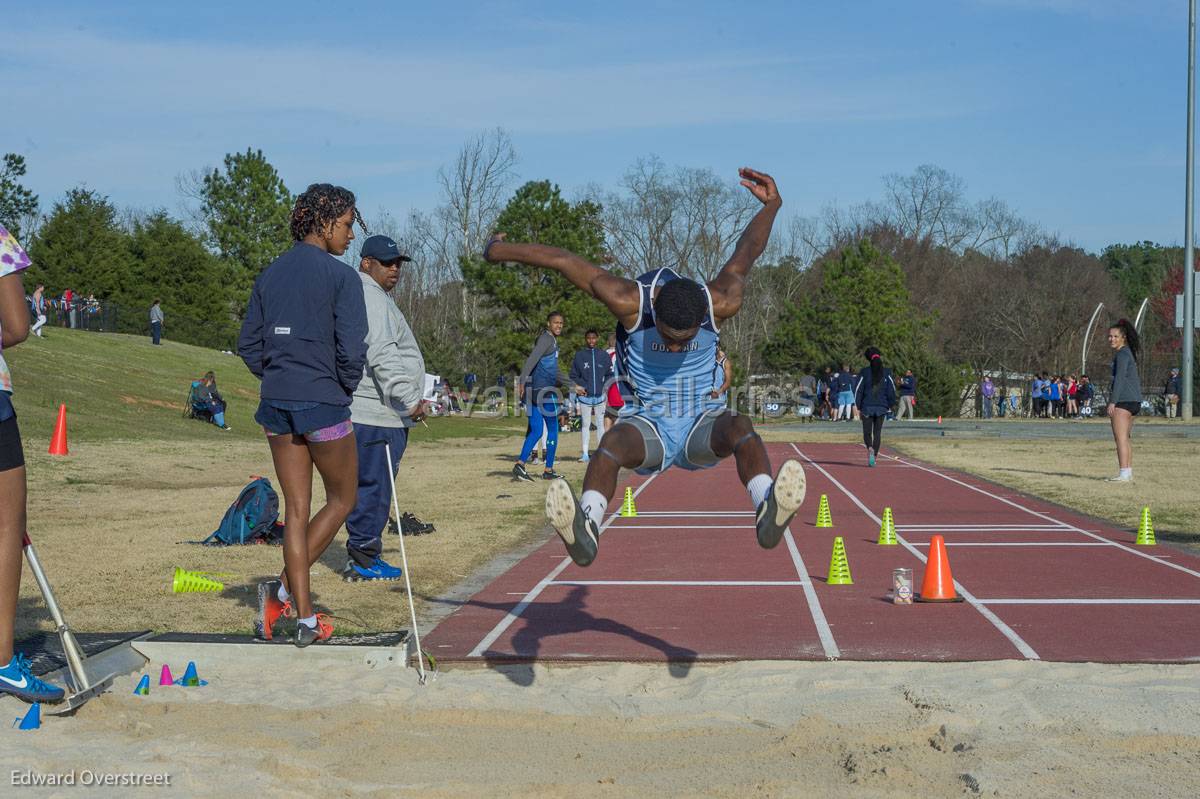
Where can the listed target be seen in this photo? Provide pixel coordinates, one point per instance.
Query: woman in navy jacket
(304, 336)
(874, 394)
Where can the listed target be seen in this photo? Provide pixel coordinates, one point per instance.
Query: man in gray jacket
(386, 403)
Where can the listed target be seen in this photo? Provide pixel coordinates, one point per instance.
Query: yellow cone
(187, 582)
(839, 568)
(824, 519)
(887, 530)
(1145, 533)
(627, 507)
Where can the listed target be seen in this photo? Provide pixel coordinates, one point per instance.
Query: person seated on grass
(207, 400)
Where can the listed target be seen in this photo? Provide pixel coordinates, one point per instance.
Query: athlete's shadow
(541, 620)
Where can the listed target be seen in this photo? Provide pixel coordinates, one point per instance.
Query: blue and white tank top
(659, 382)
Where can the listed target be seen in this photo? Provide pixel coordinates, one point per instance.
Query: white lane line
(1020, 544)
(828, 644)
(750, 583)
(683, 526)
(520, 607)
(1049, 518)
(1008, 632)
(951, 530)
(969, 527)
(700, 513)
(1091, 601)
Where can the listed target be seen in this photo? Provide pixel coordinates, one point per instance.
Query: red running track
(686, 581)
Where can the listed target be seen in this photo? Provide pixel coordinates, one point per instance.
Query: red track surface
(685, 579)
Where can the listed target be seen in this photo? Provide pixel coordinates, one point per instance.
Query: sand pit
(766, 728)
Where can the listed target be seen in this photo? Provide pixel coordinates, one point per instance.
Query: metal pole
(1189, 274)
(1087, 334)
(412, 611)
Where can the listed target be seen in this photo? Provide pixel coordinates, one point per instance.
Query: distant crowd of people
(70, 310)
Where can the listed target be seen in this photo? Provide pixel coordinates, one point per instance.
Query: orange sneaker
(270, 609)
(306, 635)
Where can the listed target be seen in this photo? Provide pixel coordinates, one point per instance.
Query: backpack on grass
(251, 518)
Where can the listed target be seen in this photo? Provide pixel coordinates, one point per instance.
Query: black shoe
(519, 473)
(411, 525)
(785, 498)
(573, 526)
(551, 475)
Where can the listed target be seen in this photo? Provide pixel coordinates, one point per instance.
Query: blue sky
(1071, 111)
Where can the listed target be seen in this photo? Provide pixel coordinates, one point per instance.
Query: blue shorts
(316, 421)
(845, 398)
(683, 441)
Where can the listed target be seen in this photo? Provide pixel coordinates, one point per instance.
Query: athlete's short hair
(553, 314)
(681, 304)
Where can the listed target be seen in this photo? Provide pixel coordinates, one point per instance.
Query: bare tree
(688, 219)
(473, 190)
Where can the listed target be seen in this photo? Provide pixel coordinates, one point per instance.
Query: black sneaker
(785, 498)
(519, 473)
(573, 526)
(411, 525)
(551, 475)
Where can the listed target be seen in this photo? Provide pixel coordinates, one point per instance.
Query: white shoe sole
(560, 510)
(790, 488)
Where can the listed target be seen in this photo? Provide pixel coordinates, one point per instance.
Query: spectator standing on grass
(16, 673)
(1035, 394)
(824, 386)
(386, 403)
(1171, 391)
(987, 391)
(908, 395)
(1072, 397)
(1084, 394)
(874, 395)
(68, 308)
(539, 382)
(591, 371)
(38, 302)
(304, 336)
(843, 383)
(613, 401)
(1125, 397)
(156, 322)
(722, 377)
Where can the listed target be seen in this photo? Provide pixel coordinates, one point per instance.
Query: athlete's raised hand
(761, 185)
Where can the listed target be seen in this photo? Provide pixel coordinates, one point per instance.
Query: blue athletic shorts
(316, 421)
(684, 441)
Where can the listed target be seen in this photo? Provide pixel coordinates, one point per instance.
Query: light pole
(1189, 274)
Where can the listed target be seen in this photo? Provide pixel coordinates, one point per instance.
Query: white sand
(771, 729)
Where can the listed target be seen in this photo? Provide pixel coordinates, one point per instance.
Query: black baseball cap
(383, 249)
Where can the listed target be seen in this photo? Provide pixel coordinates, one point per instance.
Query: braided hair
(320, 205)
(1131, 335)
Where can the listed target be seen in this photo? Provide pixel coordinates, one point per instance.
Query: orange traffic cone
(938, 585)
(58, 444)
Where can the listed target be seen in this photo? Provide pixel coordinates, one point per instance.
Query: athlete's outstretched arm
(619, 295)
(728, 286)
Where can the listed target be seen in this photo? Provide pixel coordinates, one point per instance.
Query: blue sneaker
(17, 679)
(871, 458)
(378, 570)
